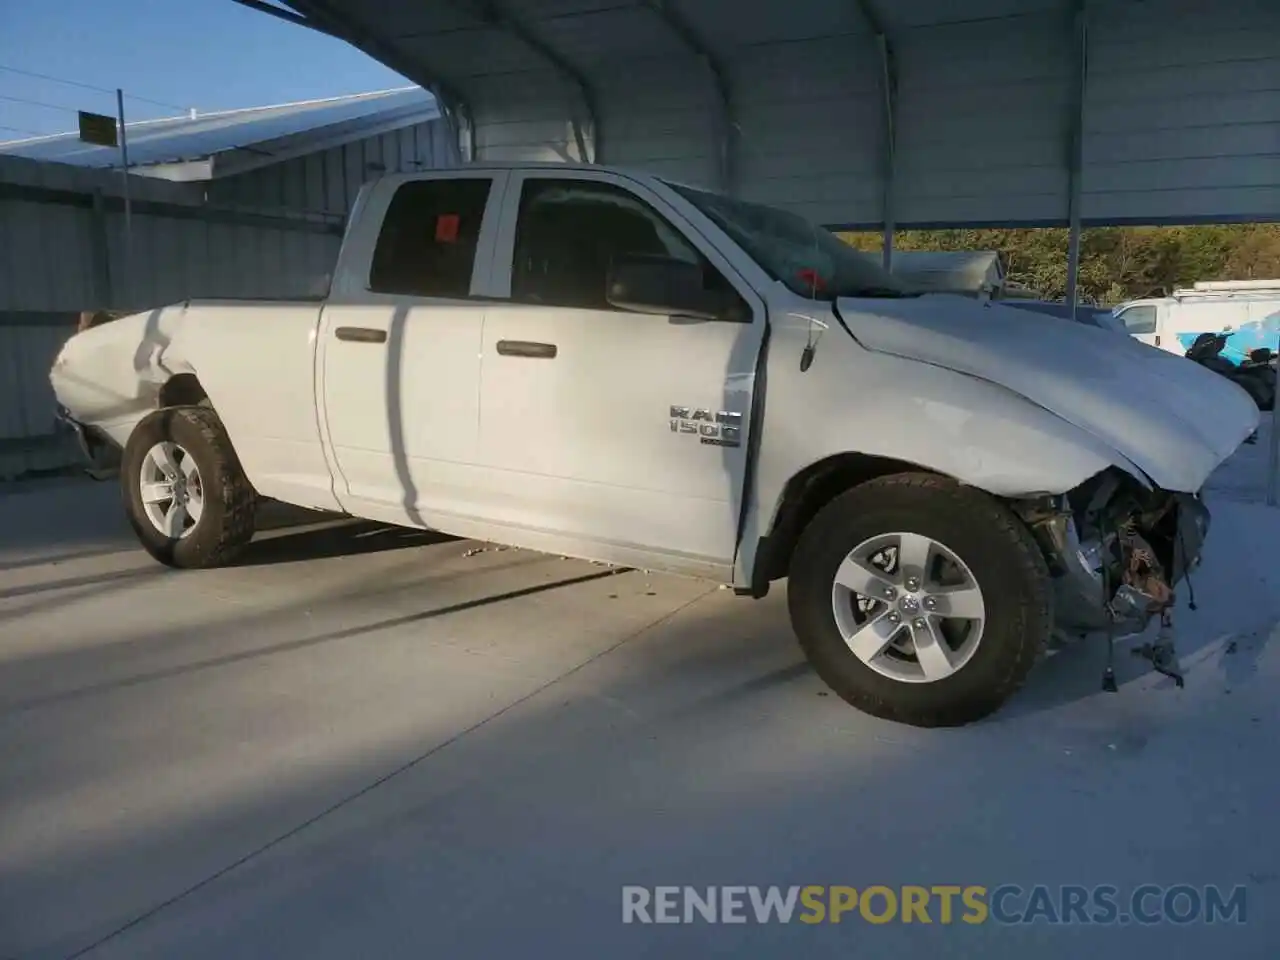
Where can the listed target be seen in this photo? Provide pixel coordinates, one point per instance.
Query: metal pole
(128, 206)
(889, 147)
(1073, 259)
(1075, 161)
(1273, 460)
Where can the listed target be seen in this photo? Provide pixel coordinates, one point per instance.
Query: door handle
(361, 334)
(527, 348)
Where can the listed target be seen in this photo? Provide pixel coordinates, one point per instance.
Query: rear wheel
(920, 600)
(184, 491)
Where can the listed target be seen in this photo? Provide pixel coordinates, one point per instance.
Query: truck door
(623, 430)
(1140, 321)
(399, 356)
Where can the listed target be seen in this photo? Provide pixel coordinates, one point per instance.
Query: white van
(1250, 309)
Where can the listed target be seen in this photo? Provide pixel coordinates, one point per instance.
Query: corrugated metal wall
(1181, 107)
(29, 442)
(984, 118)
(327, 181)
(1183, 111)
(62, 250)
(811, 126)
(63, 243)
(270, 233)
(527, 120)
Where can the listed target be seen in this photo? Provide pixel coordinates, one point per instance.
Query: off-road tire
(992, 542)
(230, 501)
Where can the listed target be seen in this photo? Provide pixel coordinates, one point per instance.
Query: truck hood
(1170, 417)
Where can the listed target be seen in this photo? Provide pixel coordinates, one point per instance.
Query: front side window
(427, 246)
(810, 260)
(1140, 319)
(569, 232)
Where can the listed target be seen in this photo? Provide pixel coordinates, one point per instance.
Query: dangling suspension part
(1109, 674)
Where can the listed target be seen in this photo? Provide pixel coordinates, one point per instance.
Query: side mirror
(667, 287)
(1260, 355)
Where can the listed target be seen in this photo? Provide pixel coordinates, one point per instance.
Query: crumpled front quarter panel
(854, 401)
(1173, 418)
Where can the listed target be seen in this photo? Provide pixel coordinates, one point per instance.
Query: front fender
(906, 412)
(978, 432)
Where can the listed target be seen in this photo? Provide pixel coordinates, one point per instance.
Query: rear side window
(1139, 319)
(427, 246)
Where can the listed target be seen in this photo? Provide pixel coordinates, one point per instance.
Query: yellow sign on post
(98, 128)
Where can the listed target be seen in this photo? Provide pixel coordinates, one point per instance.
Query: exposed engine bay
(1116, 551)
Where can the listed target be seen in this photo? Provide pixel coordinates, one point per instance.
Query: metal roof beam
(889, 113)
(320, 15)
(493, 14)
(288, 16)
(688, 36)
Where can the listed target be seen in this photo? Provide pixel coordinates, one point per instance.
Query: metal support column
(323, 17)
(459, 126)
(888, 83)
(889, 156)
(728, 134)
(127, 282)
(1273, 461)
(1075, 157)
(493, 14)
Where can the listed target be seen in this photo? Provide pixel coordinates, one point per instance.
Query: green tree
(1116, 263)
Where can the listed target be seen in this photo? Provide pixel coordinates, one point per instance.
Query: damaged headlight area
(1116, 552)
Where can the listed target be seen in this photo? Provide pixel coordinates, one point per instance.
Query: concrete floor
(364, 742)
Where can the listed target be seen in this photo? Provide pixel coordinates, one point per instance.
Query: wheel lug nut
(929, 603)
(913, 583)
(918, 623)
(889, 593)
(894, 618)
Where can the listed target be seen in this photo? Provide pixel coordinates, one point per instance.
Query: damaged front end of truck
(1117, 551)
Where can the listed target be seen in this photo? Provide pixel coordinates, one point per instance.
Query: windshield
(810, 260)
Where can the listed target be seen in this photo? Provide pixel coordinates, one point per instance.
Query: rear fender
(256, 363)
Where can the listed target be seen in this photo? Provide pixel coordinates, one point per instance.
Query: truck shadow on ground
(306, 642)
(608, 765)
(289, 534)
(60, 558)
(343, 538)
(1224, 657)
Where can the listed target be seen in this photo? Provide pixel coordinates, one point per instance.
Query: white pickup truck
(616, 367)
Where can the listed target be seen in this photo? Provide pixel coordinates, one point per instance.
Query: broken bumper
(1087, 600)
(101, 454)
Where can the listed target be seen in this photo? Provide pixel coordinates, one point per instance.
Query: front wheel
(185, 493)
(920, 600)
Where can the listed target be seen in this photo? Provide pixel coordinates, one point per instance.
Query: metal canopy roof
(857, 112)
(258, 136)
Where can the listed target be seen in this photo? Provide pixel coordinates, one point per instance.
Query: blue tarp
(1244, 340)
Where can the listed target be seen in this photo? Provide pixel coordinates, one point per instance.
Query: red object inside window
(447, 228)
(811, 278)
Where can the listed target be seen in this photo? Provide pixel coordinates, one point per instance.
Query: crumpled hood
(1169, 416)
